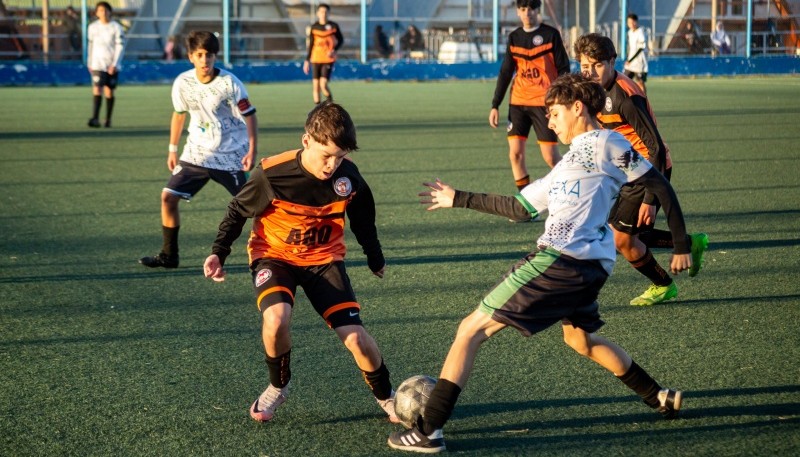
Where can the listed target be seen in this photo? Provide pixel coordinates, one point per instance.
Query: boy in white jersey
(561, 279)
(106, 43)
(636, 63)
(222, 138)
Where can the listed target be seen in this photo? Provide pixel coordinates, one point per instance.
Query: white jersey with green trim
(106, 45)
(217, 131)
(579, 192)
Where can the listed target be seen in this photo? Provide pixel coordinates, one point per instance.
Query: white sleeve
(178, 103)
(536, 193)
(619, 160)
(119, 44)
(241, 97)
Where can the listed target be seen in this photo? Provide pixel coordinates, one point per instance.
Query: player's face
(601, 71)
(103, 14)
(321, 160)
(528, 16)
(562, 120)
(633, 25)
(203, 62)
(322, 14)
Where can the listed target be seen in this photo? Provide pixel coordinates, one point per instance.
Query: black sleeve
(251, 201)
(560, 56)
(638, 51)
(361, 212)
(499, 205)
(339, 38)
(657, 184)
(634, 110)
(507, 69)
(310, 43)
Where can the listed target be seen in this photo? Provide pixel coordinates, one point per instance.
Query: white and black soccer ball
(411, 397)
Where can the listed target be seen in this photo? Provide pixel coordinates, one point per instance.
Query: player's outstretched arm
(440, 195)
(212, 268)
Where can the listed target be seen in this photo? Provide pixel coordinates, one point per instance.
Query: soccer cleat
(107, 124)
(263, 409)
(93, 122)
(160, 260)
(699, 246)
(656, 294)
(669, 402)
(413, 440)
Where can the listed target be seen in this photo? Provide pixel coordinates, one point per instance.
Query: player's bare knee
(356, 341)
(274, 322)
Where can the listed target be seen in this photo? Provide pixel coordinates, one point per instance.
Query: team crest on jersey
(609, 104)
(328, 26)
(538, 40)
(343, 187)
(263, 276)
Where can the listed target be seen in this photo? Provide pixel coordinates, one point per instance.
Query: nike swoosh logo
(624, 224)
(353, 314)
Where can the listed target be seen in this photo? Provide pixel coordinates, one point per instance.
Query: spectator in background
(72, 27)
(412, 41)
(172, 50)
(720, 39)
(691, 39)
(381, 43)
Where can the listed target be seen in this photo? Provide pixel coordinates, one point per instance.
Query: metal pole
(623, 18)
(495, 29)
(46, 30)
(84, 28)
(749, 32)
(653, 26)
(226, 36)
(592, 16)
(363, 31)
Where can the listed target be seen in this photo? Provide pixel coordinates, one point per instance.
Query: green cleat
(656, 294)
(699, 246)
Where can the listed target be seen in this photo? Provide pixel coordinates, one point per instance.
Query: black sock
(657, 239)
(641, 383)
(378, 382)
(648, 266)
(279, 370)
(522, 182)
(440, 406)
(170, 235)
(97, 100)
(109, 108)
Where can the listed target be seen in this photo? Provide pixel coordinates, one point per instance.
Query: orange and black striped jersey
(628, 112)
(298, 218)
(533, 60)
(323, 40)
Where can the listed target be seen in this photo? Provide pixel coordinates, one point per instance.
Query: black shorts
(102, 78)
(521, 118)
(634, 75)
(546, 287)
(326, 286)
(321, 70)
(188, 179)
(624, 214)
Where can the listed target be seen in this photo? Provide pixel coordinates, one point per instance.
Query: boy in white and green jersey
(222, 140)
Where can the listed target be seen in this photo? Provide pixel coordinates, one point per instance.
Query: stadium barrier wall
(28, 73)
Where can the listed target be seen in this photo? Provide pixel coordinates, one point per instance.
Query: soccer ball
(411, 397)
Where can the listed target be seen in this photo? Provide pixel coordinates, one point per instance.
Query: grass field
(99, 356)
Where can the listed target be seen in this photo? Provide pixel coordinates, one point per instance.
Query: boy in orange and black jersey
(298, 201)
(324, 39)
(535, 56)
(632, 218)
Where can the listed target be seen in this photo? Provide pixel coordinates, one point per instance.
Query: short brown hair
(572, 87)
(595, 46)
(199, 39)
(330, 123)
